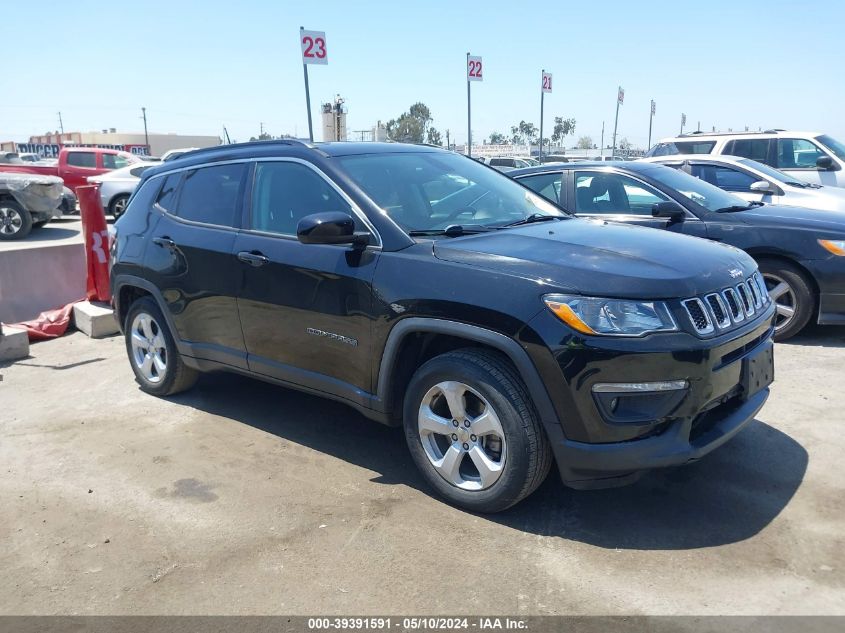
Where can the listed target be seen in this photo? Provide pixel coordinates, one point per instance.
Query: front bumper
(599, 449)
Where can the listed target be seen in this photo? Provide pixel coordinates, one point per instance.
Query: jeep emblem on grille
(735, 272)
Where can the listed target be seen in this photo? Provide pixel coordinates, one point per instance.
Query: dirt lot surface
(241, 497)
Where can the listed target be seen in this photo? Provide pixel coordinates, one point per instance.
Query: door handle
(164, 242)
(253, 258)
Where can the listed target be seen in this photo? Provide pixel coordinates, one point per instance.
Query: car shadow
(727, 497)
(819, 336)
(50, 233)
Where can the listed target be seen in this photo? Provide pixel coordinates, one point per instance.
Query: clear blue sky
(199, 65)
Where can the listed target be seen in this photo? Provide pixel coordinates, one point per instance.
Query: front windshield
(833, 145)
(772, 173)
(427, 191)
(708, 196)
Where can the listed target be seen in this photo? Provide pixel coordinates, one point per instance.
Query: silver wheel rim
(10, 221)
(462, 436)
(783, 296)
(149, 352)
(119, 207)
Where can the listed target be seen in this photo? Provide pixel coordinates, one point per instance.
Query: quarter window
(82, 159)
(694, 147)
(724, 177)
(167, 196)
(211, 194)
(285, 192)
(613, 193)
(797, 153)
(547, 185)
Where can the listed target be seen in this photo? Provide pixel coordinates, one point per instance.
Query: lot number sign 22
(474, 69)
(313, 47)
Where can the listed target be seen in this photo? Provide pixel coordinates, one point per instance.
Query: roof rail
(281, 141)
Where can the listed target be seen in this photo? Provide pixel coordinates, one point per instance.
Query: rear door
(620, 197)
(79, 164)
(191, 258)
(305, 309)
(736, 180)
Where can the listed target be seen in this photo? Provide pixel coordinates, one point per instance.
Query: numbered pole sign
(547, 82)
(314, 49)
(620, 97)
(475, 71)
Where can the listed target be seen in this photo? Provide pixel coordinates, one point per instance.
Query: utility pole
(448, 142)
(601, 147)
(146, 135)
(620, 96)
(226, 135)
(683, 122)
(61, 125)
(261, 126)
(650, 120)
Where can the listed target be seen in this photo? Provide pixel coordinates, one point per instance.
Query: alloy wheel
(119, 207)
(784, 297)
(10, 220)
(462, 436)
(149, 351)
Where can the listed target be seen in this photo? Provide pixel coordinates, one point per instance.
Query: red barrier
(96, 235)
(49, 324)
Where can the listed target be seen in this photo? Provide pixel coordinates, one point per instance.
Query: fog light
(639, 387)
(638, 402)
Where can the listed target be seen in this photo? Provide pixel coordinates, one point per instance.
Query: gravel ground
(244, 498)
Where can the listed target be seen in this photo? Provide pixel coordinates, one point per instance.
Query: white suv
(810, 156)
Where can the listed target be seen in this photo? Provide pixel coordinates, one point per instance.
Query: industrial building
(49, 144)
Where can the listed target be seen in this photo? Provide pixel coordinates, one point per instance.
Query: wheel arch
(127, 289)
(779, 257)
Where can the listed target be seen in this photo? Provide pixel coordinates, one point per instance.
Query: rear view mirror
(762, 186)
(668, 209)
(824, 162)
(332, 227)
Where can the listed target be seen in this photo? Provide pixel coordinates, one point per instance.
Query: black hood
(797, 218)
(592, 257)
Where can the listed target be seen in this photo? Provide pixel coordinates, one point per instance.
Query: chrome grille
(731, 306)
(718, 310)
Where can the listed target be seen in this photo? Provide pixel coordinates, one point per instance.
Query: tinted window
(755, 149)
(211, 194)
(797, 153)
(114, 161)
(167, 196)
(613, 193)
(694, 147)
(283, 193)
(82, 159)
(547, 185)
(724, 177)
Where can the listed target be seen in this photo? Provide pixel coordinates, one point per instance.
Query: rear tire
(156, 362)
(15, 221)
(793, 294)
(497, 454)
(117, 206)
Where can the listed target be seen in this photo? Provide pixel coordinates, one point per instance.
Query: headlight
(614, 317)
(837, 247)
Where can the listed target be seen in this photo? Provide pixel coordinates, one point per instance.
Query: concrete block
(94, 319)
(14, 344)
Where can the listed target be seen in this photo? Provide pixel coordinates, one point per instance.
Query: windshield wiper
(534, 217)
(454, 230)
(740, 207)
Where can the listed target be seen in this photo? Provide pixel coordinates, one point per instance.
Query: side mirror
(762, 186)
(332, 227)
(668, 209)
(824, 162)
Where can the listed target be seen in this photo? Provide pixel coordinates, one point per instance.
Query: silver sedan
(116, 186)
(756, 182)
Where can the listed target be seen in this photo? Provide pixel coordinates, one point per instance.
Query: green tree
(528, 132)
(411, 126)
(434, 137)
(498, 139)
(585, 142)
(563, 128)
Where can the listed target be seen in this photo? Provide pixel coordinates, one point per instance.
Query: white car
(176, 153)
(755, 181)
(116, 186)
(810, 156)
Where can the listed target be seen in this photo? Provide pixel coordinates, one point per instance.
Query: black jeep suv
(426, 289)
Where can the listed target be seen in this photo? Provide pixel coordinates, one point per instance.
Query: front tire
(15, 221)
(473, 432)
(793, 294)
(118, 206)
(157, 364)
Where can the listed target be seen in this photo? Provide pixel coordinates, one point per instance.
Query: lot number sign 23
(474, 68)
(313, 47)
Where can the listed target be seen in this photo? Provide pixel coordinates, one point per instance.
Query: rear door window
(724, 177)
(212, 195)
(82, 159)
(114, 161)
(753, 148)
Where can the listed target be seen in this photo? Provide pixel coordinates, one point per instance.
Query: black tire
(801, 298)
(117, 206)
(15, 221)
(528, 455)
(177, 376)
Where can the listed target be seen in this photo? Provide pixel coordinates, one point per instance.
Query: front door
(619, 198)
(305, 309)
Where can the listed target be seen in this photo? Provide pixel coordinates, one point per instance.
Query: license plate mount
(758, 370)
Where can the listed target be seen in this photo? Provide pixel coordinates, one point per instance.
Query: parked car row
(426, 290)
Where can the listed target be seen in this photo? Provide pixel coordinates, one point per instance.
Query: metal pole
(307, 93)
(615, 124)
(469, 115)
(542, 94)
(650, 119)
(61, 125)
(601, 147)
(146, 136)
(682, 125)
